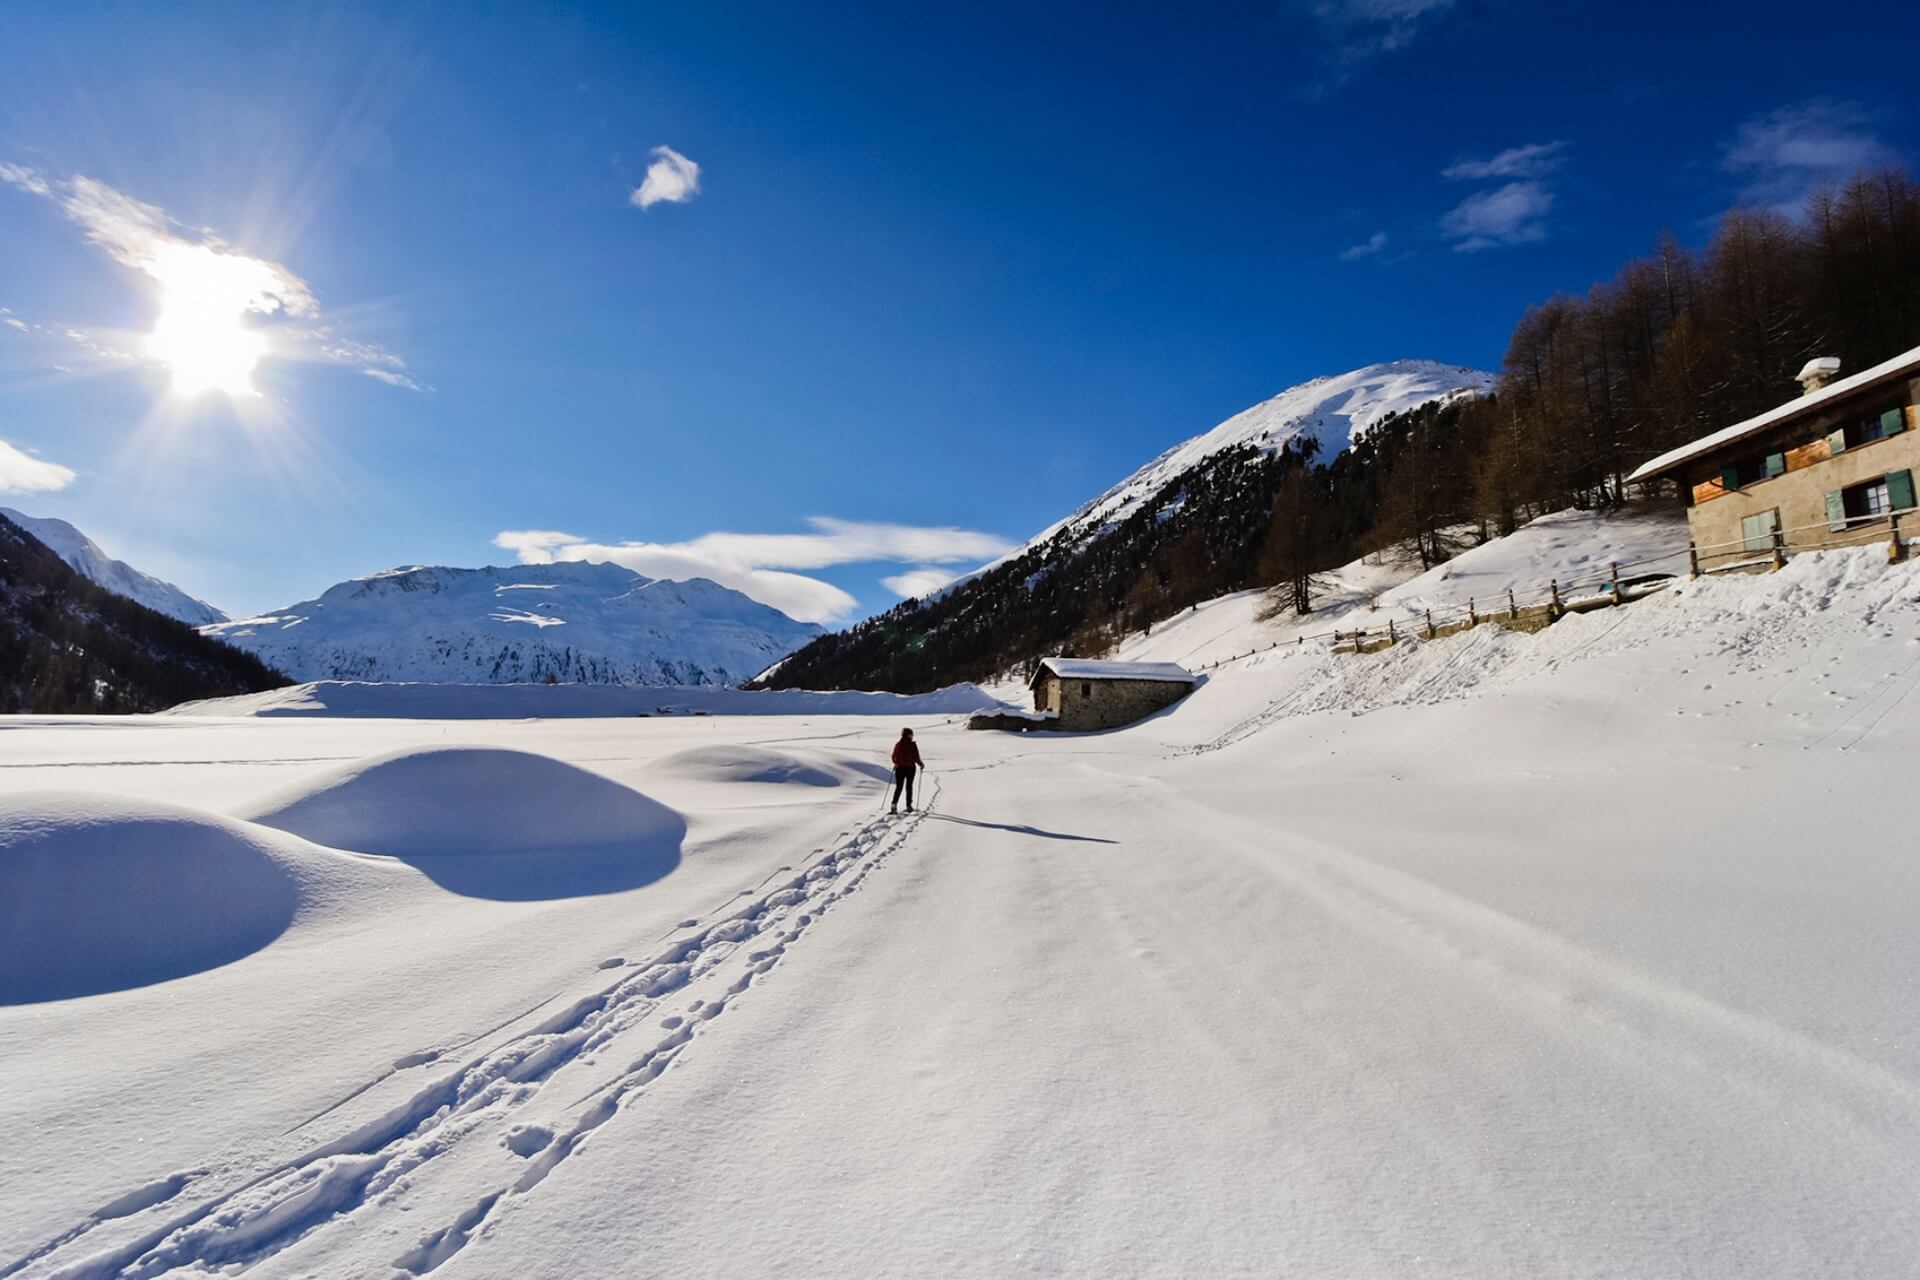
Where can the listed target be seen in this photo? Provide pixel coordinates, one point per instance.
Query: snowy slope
(577, 622)
(1580, 954)
(86, 558)
(1335, 411)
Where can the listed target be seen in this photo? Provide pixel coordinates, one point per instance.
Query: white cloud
(1784, 154)
(1512, 214)
(21, 472)
(396, 379)
(915, 583)
(760, 564)
(1370, 247)
(1358, 30)
(221, 281)
(1534, 160)
(24, 178)
(671, 178)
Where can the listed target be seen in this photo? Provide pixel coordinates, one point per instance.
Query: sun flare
(202, 334)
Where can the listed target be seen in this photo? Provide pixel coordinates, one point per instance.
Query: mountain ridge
(1334, 410)
(570, 622)
(84, 556)
(1195, 521)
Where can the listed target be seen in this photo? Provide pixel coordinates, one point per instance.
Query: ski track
(1642, 1023)
(326, 1185)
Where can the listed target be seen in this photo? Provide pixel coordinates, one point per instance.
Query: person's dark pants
(903, 777)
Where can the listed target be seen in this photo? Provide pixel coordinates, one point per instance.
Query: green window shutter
(1893, 422)
(1900, 490)
(1776, 463)
(1729, 478)
(1837, 440)
(1836, 512)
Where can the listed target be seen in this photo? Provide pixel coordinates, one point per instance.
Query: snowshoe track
(382, 1158)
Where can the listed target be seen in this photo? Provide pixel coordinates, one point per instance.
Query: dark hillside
(69, 645)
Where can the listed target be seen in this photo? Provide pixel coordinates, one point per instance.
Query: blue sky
(905, 288)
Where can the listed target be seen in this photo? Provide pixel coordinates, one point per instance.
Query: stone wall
(1086, 705)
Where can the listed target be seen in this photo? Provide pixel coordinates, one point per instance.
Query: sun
(203, 333)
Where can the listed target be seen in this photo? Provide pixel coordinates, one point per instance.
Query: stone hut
(1826, 469)
(1078, 694)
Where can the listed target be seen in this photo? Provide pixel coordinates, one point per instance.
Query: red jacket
(906, 752)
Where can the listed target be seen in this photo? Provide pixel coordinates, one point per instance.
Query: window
(1890, 421)
(1752, 470)
(1869, 501)
(1757, 530)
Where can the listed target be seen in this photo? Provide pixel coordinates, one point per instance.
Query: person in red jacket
(906, 759)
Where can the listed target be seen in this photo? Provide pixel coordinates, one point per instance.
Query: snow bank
(1576, 548)
(486, 822)
(99, 894)
(411, 701)
(748, 764)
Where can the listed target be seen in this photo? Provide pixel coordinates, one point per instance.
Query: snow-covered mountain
(574, 622)
(1336, 411)
(85, 558)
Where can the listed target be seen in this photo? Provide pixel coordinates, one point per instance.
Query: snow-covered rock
(1335, 411)
(84, 556)
(577, 623)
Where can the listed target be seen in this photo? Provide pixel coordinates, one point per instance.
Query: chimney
(1819, 372)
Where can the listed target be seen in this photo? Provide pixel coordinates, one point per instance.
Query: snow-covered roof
(1089, 669)
(1906, 362)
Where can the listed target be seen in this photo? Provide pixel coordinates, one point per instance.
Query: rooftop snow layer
(1905, 362)
(1088, 669)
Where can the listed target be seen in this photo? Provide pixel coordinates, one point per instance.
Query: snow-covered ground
(1587, 953)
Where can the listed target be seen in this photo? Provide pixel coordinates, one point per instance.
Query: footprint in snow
(528, 1140)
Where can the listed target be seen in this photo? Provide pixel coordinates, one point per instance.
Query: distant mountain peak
(1334, 410)
(85, 558)
(570, 621)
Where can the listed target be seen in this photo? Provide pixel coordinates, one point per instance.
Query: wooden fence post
(1616, 581)
(1896, 550)
(1693, 559)
(1391, 638)
(1553, 607)
(1779, 549)
(1473, 614)
(1513, 610)
(1429, 624)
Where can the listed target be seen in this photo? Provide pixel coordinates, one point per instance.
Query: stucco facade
(1821, 476)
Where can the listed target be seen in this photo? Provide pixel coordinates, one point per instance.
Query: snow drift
(731, 763)
(99, 894)
(486, 822)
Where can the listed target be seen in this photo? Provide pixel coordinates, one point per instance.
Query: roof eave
(1902, 365)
